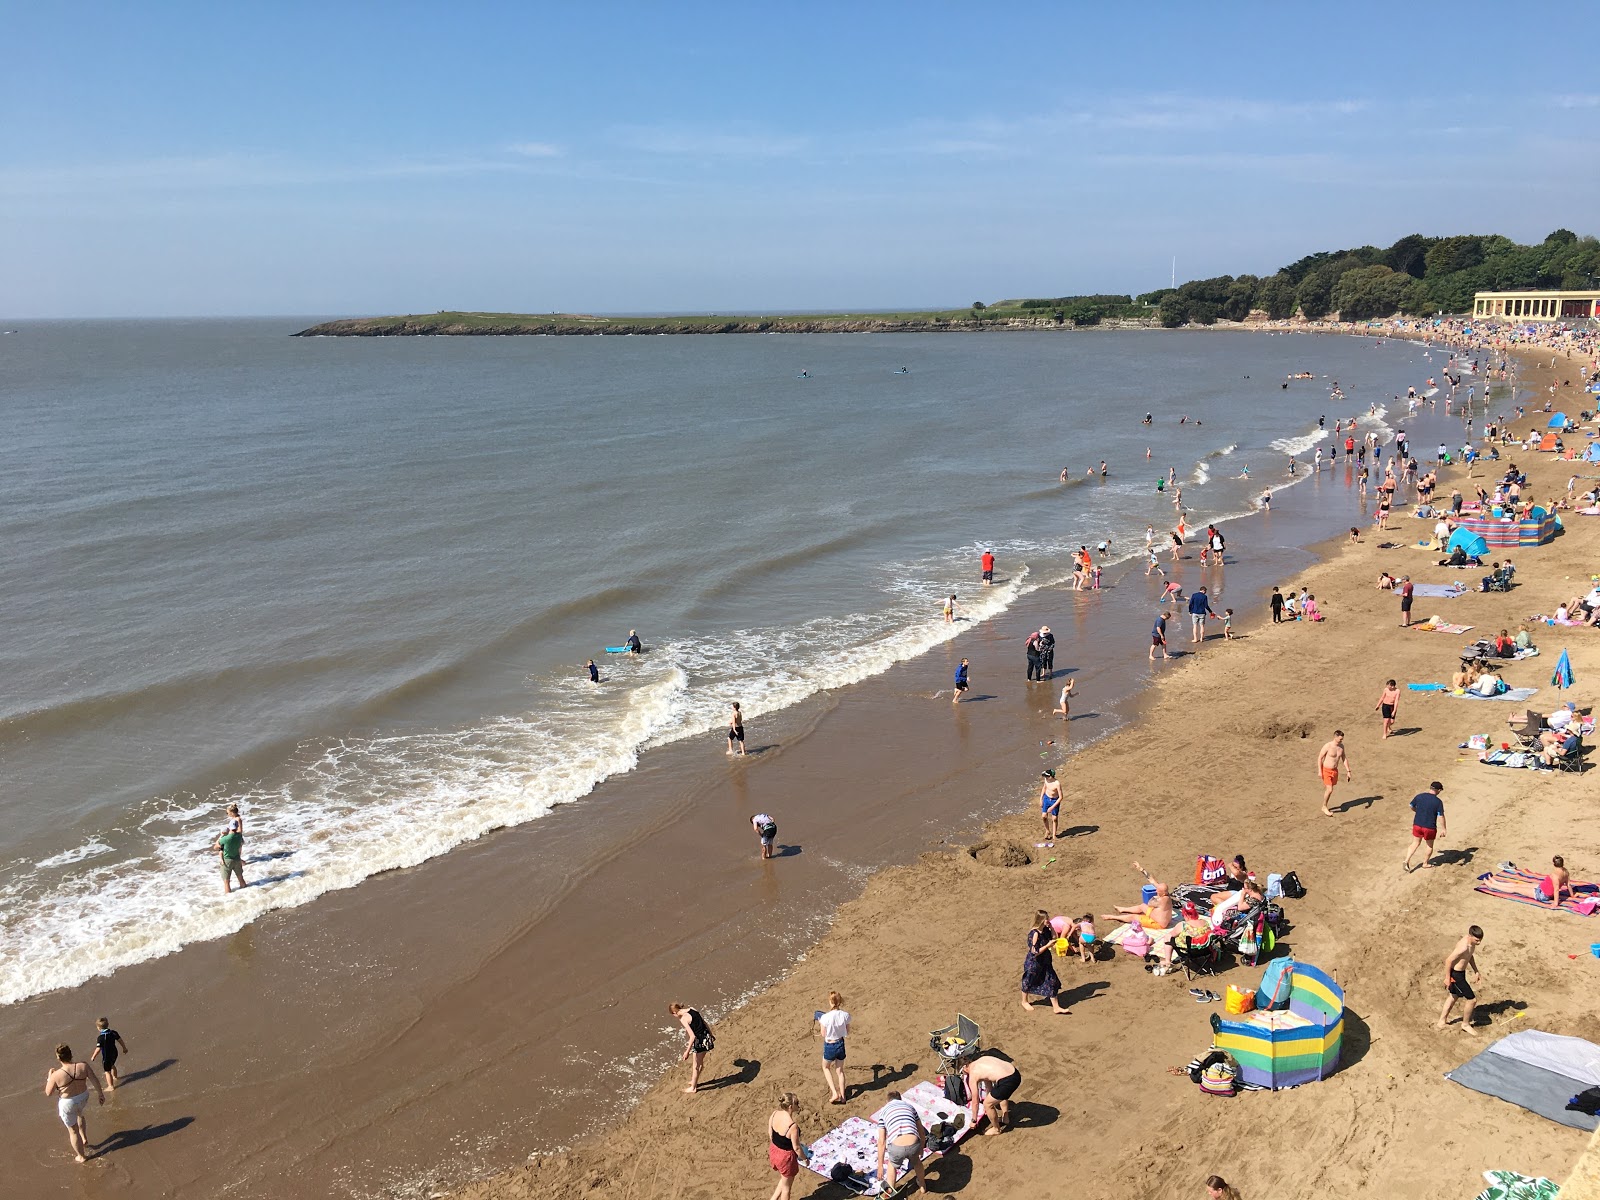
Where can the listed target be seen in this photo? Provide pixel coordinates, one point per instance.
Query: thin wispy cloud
(1579, 100)
(694, 142)
(535, 149)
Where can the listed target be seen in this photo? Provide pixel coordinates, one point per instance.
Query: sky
(345, 158)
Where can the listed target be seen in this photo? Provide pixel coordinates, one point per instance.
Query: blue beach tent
(1558, 421)
(1591, 452)
(1471, 544)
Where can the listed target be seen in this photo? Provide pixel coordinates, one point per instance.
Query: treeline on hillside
(1417, 275)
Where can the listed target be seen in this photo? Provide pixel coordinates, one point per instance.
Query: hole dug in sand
(1285, 729)
(1001, 854)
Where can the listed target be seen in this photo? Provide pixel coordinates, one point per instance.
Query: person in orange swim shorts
(1329, 759)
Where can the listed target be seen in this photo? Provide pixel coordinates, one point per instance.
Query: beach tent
(1537, 1071)
(1285, 1049)
(1591, 452)
(1548, 442)
(1472, 544)
(1559, 421)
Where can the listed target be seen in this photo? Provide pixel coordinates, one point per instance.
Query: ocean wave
(1299, 445)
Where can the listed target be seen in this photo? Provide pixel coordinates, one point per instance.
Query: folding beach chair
(1525, 731)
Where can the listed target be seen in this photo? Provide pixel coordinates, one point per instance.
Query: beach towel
(1426, 687)
(1537, 1071)
(1511, 883)
(1440, 627)
(1509, 1185)
(1509, 694)
(1525, 652)
(1447, 591)
(855, 1142)
(1506, 758)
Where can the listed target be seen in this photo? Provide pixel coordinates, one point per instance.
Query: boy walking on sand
(1456, 965)
(1329, 759)
(108, 1044)
(1050, 806)
(1427, 823)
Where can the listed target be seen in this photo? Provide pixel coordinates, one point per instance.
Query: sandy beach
(1221, 760)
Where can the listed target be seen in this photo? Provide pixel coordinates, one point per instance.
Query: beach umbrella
(1561, 677)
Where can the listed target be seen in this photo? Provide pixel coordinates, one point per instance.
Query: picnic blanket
(1448, 591)
(1517, 694)
(1508, 758)
(855, 1141)
(1537, 1071)
(1440, 627)
(1512, 883)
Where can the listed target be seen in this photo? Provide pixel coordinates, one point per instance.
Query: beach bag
(1239, 1001)
(1249, 948)
(1292, 887)
(1274, 887)
(1276, 983)
(1218, 1080)
(955, 1088)
(1208, 869)
(1478, 741)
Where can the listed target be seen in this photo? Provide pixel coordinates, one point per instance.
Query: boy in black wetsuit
(108, 1044)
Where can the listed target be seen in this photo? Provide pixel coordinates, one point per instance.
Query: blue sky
(206, 159)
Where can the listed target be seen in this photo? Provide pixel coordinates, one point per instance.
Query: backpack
(1292, 887)
(955, 1088)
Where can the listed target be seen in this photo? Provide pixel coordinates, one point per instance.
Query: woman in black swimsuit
(700, 1042)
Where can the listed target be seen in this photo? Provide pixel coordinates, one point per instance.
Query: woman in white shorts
(69, 1082)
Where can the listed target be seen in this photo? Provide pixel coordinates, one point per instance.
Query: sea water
(350, 584)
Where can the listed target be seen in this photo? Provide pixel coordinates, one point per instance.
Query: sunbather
(1153, 914)
(1555, 883)
(1554, 746)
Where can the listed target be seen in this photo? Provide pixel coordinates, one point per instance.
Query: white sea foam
(1301, 444)
(68, 857)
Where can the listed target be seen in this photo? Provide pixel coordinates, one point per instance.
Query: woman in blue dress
(1039, 980)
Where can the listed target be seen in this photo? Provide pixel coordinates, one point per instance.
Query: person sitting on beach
(1504, 647)
(1488, 684)
(1154, 914)
(1248, 897)
(1386, 581)
(1235, 873)
(1555, 745)
(1558, 881)
(1561, 717)
(1291, 611)
(1524, 639)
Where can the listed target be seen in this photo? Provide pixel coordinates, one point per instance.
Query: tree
(1563, 237)
(1367, 292)
(978, 306)
(1174, 310)
(1315, 294)
(1241, 298)
(1452, 254)
(1409, 255)
(1276, 295)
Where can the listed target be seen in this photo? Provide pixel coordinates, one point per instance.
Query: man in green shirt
(231, 847)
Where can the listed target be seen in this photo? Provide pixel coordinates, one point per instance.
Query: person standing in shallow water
(698, 1038)
(736, 731)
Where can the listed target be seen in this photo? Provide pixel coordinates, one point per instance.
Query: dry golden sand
(1222, 760)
